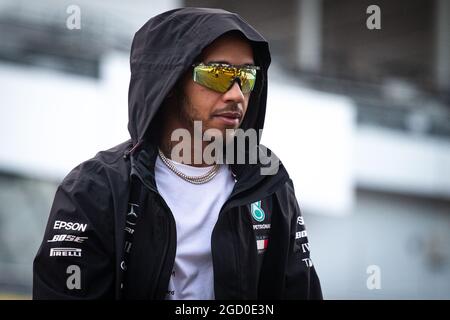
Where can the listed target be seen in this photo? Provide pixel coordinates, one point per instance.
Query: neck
(183, 148)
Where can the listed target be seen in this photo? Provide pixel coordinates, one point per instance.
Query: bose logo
(75, 226)
(67, 237)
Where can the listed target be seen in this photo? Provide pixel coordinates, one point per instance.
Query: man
(159, 217)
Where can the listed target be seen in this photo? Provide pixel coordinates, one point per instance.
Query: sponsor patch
(262, 244)
(261, 226)
(74, 226)
(68, 238)
(257, 212)
(300, 234)
(261, 223)
(305, 247)
(308, 262)
(65, 252)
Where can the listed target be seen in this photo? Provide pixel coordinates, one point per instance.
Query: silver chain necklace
(192, 179)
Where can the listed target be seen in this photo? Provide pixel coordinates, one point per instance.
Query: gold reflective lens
(220, 77)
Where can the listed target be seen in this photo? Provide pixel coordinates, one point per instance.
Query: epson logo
(67, 237)
(65, 252)
(75, 226)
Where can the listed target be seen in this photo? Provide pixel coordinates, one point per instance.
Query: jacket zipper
(165, 263)
(225, 207)
(171, 223)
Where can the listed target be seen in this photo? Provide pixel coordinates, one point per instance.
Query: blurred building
(360, 117)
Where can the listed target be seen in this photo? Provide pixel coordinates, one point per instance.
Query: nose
(234, 93)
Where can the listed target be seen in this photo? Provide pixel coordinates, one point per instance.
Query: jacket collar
(248, 176)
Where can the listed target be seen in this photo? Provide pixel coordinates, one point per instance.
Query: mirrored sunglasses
(220, 77)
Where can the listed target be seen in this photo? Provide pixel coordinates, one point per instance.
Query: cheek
(246, 100)
(202, 100)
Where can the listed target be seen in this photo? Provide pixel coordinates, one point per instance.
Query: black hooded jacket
(110, 234)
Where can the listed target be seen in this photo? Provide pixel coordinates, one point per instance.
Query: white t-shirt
(195, 209)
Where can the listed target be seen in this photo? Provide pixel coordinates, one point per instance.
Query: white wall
(312, 133)
(395, 161)
(50, 122)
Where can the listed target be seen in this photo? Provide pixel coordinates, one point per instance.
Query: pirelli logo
(65, 252)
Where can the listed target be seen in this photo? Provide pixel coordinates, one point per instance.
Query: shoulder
(102, 166)
(271, 165)
(95, 184)
(90, 193)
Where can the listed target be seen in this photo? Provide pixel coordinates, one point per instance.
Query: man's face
(218, 110)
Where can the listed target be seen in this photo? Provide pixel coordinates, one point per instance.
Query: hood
(165, 48)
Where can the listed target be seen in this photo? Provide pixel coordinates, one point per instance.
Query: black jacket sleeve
(76, 257)
(301, 279)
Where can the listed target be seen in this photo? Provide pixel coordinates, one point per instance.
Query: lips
(229, 118)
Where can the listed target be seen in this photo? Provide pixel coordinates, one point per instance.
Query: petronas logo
(257, 212)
